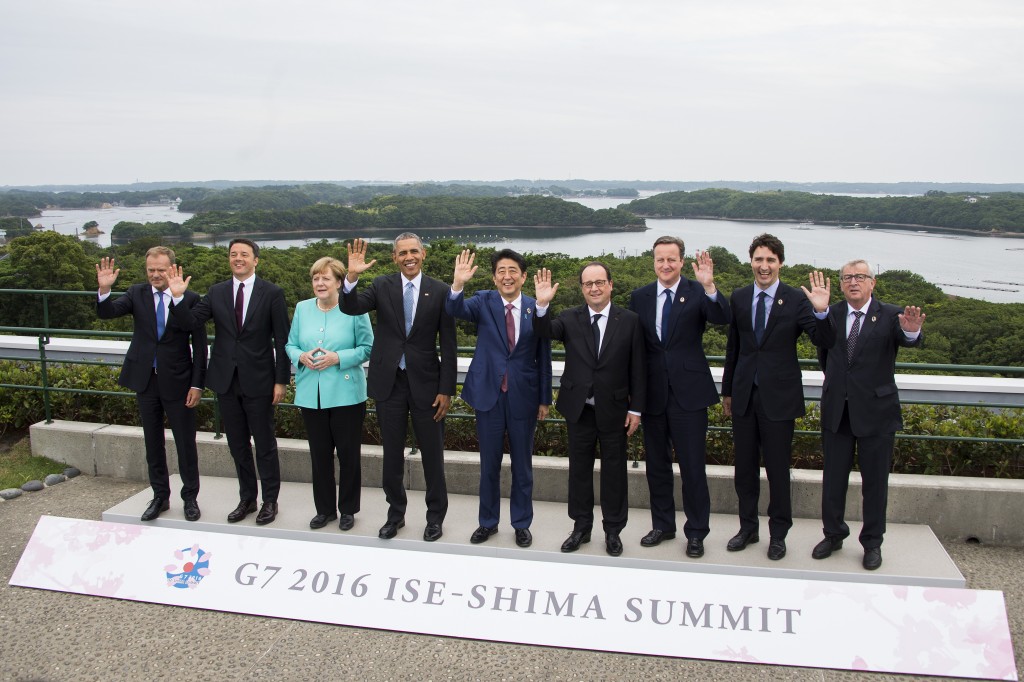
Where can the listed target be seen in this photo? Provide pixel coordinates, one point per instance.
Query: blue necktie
(665, 310)
(759, 317)
(407, 303)
(161, 322)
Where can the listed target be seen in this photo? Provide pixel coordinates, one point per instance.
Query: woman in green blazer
(328, 348)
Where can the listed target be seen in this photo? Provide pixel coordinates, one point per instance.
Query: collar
(247, 282)
(517, 303)
(416, 281)
(154, 291)
(850, 310)
(604, 311)
(771, 291)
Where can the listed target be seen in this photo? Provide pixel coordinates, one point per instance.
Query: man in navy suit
(674, 312)
(762, 386)
(165, 365)
(249, 369)
(406, 377)
(860, 406)
(601, 395)
(508, 385)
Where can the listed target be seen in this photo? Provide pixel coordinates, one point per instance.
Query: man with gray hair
(406, 377)
(860, 406)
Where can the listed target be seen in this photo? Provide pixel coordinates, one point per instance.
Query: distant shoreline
(297, 234)
(907, 227)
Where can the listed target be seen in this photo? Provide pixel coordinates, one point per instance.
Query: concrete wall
(989, 510)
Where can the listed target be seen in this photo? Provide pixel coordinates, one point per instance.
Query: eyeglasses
(860, 277)
(597, 283)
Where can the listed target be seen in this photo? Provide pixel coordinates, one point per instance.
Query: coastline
(906, 227)
(326, 233)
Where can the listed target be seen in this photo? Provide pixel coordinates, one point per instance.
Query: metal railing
(45, 333)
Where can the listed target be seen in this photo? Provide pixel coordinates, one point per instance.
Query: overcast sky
(112, 91)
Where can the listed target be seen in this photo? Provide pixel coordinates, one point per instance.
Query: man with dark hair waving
(406, 377)
(249, 369)
(508, 385)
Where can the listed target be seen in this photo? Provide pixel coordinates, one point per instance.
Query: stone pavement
(56, 636)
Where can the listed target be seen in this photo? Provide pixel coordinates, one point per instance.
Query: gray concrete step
(912, 554)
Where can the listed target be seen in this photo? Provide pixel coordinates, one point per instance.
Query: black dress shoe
(872, 558)
(776, 549)
(156, 506)
(824, 549)
(741, 540)
(390, 529)
(575, 539)
(481, 534)
(347, 521)
(433, 532)
(268, 512)
(320, 520)
(192, 510)
(654, 538)
(695, 548)
(524, 538)
(244, 508)
(613, 544)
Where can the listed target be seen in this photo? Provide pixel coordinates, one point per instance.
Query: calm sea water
(979, 267)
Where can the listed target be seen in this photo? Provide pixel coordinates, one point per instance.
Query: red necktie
(510, 333)
(239, 305)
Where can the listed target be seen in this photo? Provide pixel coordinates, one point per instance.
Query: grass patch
(18, 465)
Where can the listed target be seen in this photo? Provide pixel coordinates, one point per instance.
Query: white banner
(900, 629)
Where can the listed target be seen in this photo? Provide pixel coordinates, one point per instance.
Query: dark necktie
(597, 335)
(510, 334)
(851, 341)
(665, 310)
(759, 317)
(239, 305)
(161, 321)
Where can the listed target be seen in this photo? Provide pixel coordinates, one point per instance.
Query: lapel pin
(682, 299)
(780, 301)
(426, 293)
(529, 311)
(874, 319)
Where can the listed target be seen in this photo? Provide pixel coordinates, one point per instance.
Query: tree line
(998, 212)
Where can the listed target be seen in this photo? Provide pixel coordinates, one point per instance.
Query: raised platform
(912, 554)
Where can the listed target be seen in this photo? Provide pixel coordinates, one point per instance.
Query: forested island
(988, 213)
(403, 212)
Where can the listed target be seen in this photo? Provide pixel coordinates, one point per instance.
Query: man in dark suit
(674, 312)
(249, 369)
(508, 385)
(601, 395)
(860, 406)
(165, 366)
(762, 387)
(406, 378)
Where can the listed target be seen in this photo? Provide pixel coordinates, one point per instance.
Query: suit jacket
(775, 362)
(180, 353)
(528, 366)
(867, 382)
(350, 337)
(428, 376)
(257, 350)
(679, 363)
(617, 380)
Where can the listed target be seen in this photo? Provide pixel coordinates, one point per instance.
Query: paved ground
(57, 636)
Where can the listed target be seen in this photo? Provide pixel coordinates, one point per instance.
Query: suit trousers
(755, 436)
(874, 455)
(491, 427)
(393, 416)
(685, 433)
(251, 417)
(182, 421)
(330, 430)
(585, 435)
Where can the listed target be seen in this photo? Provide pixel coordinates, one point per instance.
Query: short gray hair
(407, 235)
(859, 261)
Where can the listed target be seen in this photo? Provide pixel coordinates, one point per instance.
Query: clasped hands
(319, 359)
